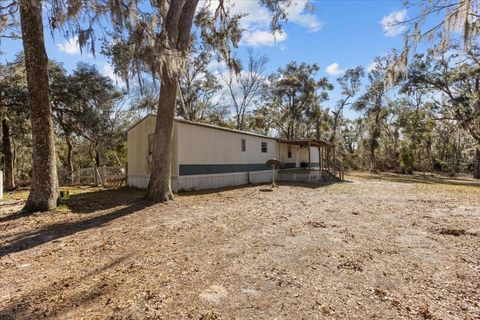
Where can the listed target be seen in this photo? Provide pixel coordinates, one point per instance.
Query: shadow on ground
(130, 201)
(104, 199)
(84, 202)
(265, 185)
(88, 289)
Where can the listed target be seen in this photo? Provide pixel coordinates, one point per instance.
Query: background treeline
(88, 113)
(426, 122)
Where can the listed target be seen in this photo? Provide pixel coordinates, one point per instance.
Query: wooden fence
(113, 176)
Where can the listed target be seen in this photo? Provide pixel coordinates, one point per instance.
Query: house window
(151, 138)
(264, 147)
(244, 145)
(289, 152)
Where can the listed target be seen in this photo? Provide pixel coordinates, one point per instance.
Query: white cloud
(392, 24)
(255, 13)
(69, 46)
(216, 66)
(259, 15)
(263, 38)
(298, 14)
(334, 69)
(108, 71)
(256, 21)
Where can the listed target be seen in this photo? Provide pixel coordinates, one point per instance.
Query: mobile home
(206, 156)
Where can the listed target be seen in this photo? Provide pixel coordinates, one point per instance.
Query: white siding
(206, 147)
(203, 145)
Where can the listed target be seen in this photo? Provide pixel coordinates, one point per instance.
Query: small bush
(407, 160)
(442, 166)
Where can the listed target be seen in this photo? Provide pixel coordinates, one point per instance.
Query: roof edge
(206, 125)
(215, 127)
(140, 121)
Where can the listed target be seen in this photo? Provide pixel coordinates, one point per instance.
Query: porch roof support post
(321, 157)
(309, 158)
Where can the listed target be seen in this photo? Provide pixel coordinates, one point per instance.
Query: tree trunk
(334, 129)
(178, 27)
(373, 160)
(95, 160)
(44, 188)
(476, 164)
(8, 156)
(69, 157)
(159, 186)
(429, 155)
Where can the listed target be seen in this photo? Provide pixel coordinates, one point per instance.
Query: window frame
(243, 145)
(289, 152)
(264, 147)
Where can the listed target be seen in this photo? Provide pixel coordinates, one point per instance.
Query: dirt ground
(374, 247)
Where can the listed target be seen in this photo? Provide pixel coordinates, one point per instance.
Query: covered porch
(308, 160)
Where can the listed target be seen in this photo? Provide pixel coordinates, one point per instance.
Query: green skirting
(198, 169)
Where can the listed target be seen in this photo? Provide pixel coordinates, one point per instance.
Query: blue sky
(337, 35)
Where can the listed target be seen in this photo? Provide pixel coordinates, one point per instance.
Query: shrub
(442, 166)
(407, 160)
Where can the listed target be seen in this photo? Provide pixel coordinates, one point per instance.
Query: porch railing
(333, 168)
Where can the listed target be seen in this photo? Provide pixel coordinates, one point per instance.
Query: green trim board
(313, 164)
(199, 169)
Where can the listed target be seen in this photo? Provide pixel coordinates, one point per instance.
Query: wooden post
(309, 158)
(321, 157)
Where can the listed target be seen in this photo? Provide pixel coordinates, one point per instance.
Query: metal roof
(300, 142)
(206, 125)
(305, 142)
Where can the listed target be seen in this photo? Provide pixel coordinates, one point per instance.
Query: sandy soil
(375, 247)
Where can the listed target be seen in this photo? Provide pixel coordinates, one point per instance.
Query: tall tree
(438, 22)
(246, 86)
(94, 101)
(13, 110)
(294, 96)
(374, 106)
(67, 110)
(415, 119)
(198, 86)
(459, 85)
(159, 41)
(44, 187)
(350, 83)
